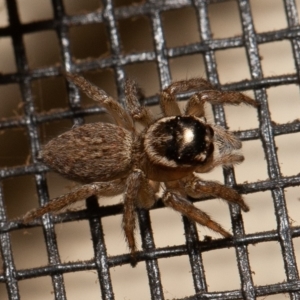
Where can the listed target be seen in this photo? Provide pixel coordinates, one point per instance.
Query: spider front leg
(197, 188)
(195, 105)
(168, 99)
(111, 188)
(119, 114)
(138, 112)
(187, 209)
(138, 193)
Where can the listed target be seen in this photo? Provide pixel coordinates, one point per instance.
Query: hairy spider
(117, 158)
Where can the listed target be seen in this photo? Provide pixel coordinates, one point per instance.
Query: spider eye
(183, 140)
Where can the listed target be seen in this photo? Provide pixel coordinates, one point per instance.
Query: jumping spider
(111, 159)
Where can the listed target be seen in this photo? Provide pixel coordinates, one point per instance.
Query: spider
(110, 159)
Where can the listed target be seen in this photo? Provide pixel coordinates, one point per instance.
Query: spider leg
(187, 209)
(168, 103)
(119, 114)
(138, 112)
(196, 188)
(138, 193)
(195, 105)
(97, 188)
(168, 100)
(182, 86)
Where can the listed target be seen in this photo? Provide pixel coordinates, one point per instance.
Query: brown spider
(117, 158)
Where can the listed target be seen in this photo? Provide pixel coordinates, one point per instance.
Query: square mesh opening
(243, 45)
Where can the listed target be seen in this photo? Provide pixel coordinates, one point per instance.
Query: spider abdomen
(92, 152)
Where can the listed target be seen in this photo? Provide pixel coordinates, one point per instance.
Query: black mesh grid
(116, 61)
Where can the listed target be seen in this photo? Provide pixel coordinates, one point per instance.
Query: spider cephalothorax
(179, 140)
(117, 158)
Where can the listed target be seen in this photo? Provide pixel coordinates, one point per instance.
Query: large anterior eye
(180, 139)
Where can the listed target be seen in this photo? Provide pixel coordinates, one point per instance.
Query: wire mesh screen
(245, 45)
